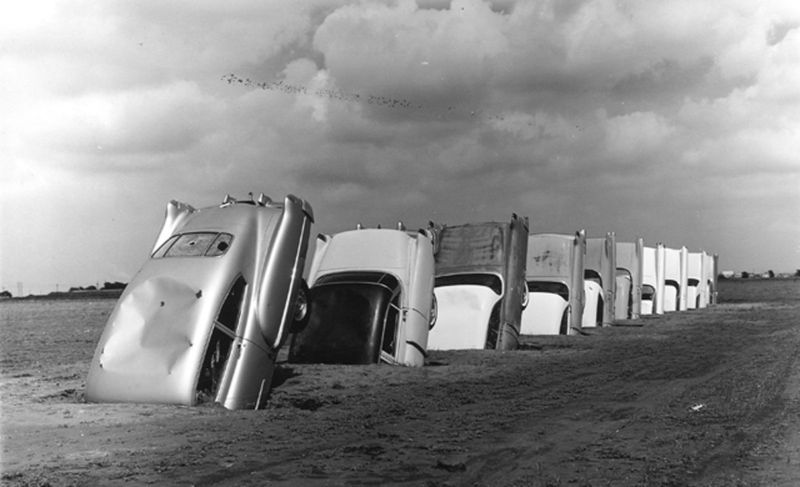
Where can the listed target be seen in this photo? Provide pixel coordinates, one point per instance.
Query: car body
(649, 280)
(204, 317)
(694, 279)
(600, 281)
(554, 275)
(629, 279)
(709, 287)
(673, 278)
(480, 284)
(371, 299)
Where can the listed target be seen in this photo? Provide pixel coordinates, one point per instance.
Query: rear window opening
(648, 292)
(221, 342)
(493, 331)
(195, 244)
(549, 287)
(491, 281)
(354, 320)
(673, 284)
(591, 275)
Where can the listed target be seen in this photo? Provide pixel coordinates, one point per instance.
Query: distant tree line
(770, 274)
(107, 286)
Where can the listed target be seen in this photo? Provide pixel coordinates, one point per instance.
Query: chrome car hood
(154, 342)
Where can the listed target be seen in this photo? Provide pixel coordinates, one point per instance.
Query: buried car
(480, 285)
(650, 276)
(675, 279)
(204, 317)
(710, 267)
(371, 299)
(629, 279)
(554, 274)
(600, 281)
(694, 279)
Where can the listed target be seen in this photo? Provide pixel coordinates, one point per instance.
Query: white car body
(461, 304)
(554, 274)
(592, 311)
(672, 279)
(649, 280)
(630, 264)
(661, 262)
(694, 278)
(600, 266)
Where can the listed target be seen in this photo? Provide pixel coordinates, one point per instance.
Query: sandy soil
(705, 397)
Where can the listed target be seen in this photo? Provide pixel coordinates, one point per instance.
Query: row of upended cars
(223, 290)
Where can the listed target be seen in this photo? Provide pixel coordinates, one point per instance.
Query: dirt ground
(704, 397)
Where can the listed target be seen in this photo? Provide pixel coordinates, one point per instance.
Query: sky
(677, 121)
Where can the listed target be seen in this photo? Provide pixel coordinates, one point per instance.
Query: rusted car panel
(206, 313)
(630, 263)
(371, 299)
(554, 275)
(480, 265)
(600, 277)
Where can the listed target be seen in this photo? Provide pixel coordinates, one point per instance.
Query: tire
(302, 308)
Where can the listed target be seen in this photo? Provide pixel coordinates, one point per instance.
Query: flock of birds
(347, 97)
(292, 89)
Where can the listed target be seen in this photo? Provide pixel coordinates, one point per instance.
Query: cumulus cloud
(578, 112)
(428, 56)
(637, 135)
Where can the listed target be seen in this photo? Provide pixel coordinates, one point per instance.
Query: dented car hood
(155, 340)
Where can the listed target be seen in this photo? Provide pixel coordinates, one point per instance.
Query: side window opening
(229, 311)
(221, 342)
(392, 322)
(600, 306)
(564, 328)
(493, 333)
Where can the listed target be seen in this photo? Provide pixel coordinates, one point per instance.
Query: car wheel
(302, 308)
